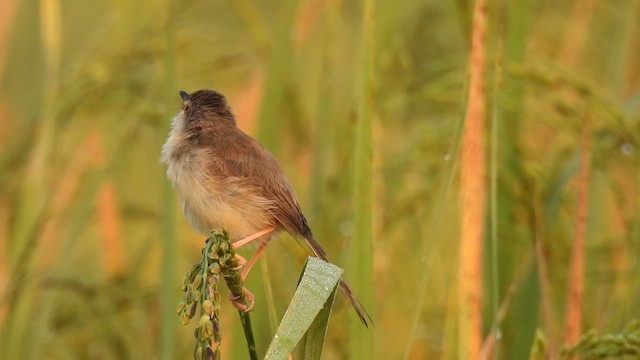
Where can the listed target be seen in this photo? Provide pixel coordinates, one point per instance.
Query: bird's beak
(184, 95)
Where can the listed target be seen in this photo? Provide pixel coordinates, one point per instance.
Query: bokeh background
(92, 241)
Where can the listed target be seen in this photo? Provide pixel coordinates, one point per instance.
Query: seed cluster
(625, 344)
(200, 287)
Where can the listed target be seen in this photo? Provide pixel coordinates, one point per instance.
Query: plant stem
(248, 334)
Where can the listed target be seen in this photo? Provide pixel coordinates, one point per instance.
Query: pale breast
(209, 200)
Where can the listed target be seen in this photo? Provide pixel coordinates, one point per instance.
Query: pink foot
(241, 262)
(235, 300)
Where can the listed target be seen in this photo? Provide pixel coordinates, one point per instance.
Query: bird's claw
(241, 305)
(241, 262)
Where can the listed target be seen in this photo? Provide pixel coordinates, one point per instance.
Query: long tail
(351, 297)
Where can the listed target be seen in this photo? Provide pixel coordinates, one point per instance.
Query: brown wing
(258, 165)
(239, 155)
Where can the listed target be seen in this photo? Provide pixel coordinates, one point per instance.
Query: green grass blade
(275, 83)
(310, 346)
(361, 264)
(168, 294)
(308, 311)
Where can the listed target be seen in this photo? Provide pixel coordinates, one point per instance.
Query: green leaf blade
(308, 312)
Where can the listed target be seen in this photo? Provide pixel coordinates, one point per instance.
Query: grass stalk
(36, 192)
(491, 342)
(573, 316)
(169, 247)
(543, 278)
(512, 172)
(495, 278)
(270, 120)
(434, 232)
(268, 290)
(361, 269)
(436, 223)
(248, 334)
(35, 188)
(472, 194)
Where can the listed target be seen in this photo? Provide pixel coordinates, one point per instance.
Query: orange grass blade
(473, 194)
(573, 317)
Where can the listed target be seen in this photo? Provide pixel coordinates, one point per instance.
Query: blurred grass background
(93, 244)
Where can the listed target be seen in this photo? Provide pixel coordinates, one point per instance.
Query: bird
(226, 179)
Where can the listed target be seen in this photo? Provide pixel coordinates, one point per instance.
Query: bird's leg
(254, 258)
(253, 237)
(235, 300)
(248, 265)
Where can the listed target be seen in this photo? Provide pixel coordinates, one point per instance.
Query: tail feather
(363, 315)
(351, 297)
